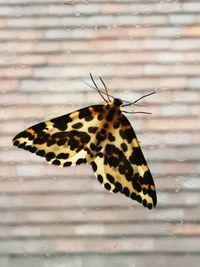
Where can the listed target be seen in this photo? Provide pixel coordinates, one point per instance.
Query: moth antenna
(96, 87)
(93, 81)
(107, 94)
(129, 104)
(152, 93)
(133, 103)
(105, 88)
(133, 112)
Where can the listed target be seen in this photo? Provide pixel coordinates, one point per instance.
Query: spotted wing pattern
(120, 165)
(102, 136)
(63, 141)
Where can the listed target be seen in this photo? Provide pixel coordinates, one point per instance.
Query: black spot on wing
(118, 186)
(79, 148)
(133, 196)
(15, 142)
(39, 127)
(100, 116)
(100, 137)
(77, 125)
(112, 161)
(103, 131)
(100, 178)
(107, 186)
(126, 191)
(41, 139)
(61, 142)
(115, 190)
(110, 178)
(50, 155)
(136, 184)
(144, 202)
(60, 135)
(84, 137)
(110, 149)
(100, 155)
(62, 156)
(23, 134)
(139, 199)
(51, 142)
(94, 166)
(40, 153)
(106, 125)
(137, 156)
(98, 108)
(126, 131)
(56, 162)
(111, 137)
(95, 147)
(22, 145)
(73, 143)
(61, 122)
(32, 149)
(92, 129)
(67, 164)
(124, 147)
(127, 134)
(85, 114)
(81, 161)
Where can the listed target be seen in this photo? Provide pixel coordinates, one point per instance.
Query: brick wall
(51, 216)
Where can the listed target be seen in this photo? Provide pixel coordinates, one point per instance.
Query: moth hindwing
(101, 136)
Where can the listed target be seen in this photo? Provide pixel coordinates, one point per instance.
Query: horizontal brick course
(47, 246)
(101, 260)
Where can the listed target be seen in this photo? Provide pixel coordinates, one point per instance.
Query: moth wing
(63, 141)
(123, 167)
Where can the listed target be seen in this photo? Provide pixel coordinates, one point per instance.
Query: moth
(99, 135)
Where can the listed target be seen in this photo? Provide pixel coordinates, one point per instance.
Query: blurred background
(51, 216)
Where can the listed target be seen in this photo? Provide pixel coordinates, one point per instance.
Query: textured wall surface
(51, 216)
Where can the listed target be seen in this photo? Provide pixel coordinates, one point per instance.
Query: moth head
(117, 102)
